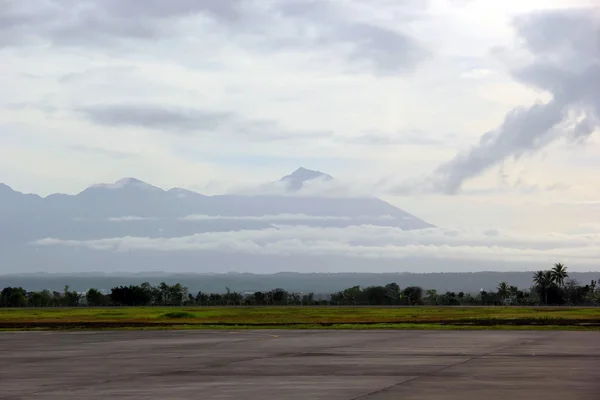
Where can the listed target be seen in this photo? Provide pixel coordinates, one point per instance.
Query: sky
(470, 114)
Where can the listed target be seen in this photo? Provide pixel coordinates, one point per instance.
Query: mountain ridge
(130, 207)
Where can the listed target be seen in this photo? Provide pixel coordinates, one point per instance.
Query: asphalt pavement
(301, 364)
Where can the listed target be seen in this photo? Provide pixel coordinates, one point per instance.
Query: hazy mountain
(132, 208)
(139, 207)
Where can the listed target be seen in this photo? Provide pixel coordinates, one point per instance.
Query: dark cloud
(382, 49)
(191, 121)
(230, 10)
(181, 120)
(385, 50)
(305, 25)
(88, 23)
(565, 45)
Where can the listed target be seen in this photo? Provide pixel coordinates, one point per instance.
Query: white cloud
(477, 73)
(587, 229)
(131, 218)
(366, 241)
(282, 217)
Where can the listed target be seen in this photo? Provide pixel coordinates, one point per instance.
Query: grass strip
(300, 317)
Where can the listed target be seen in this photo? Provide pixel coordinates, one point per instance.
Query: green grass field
(302, 317)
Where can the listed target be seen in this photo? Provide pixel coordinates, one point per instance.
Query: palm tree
(503, 290)
(559, 273)
(538, 278)
(543, 280)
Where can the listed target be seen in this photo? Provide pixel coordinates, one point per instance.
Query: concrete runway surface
(304, 365)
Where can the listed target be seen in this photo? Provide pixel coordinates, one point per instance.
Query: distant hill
(316, 282)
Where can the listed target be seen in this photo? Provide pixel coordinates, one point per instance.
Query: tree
(308, 299)
(393, 292)
(559, 274)
(294, 298)
(592, 293)
(351, 294)
(431, 297)
(413, 295)
(575, 293)
(150, 292)
(161, 294)
(376, 295)
(201, 298)
(503, 290)
(278, 296)
(176, 294)
(130, 296)
(259, 298)
(95, 298)
(543, 281)
(450, 299)
(13, 297)
(40, 299)
(483, 295)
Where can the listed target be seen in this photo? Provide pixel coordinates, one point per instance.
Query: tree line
(550, 287)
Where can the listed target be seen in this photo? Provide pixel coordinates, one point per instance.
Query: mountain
(136, 209)
(296, 180)
(131, 197)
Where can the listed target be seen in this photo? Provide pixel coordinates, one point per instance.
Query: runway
(304, 365)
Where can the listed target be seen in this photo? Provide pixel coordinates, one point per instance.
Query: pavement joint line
(433, 373)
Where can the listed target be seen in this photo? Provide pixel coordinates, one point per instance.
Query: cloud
(477, 73)
(283, 217)
(131, 218)
(367, 242)
(564, 46)
(333, 28)
(321, 187)
(102, 152)
(586, 229)
(385, 50)
(181, 120)
(102, 22)
(415, 137)
(579, 203)
(156, 117)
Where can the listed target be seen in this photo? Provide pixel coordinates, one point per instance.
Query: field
(302, 317)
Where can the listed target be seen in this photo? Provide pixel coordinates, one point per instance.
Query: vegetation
(298, 317)
(166, 305)
(551, 287)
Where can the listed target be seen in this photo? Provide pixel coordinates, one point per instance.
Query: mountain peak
(296, 179)
(125, 183)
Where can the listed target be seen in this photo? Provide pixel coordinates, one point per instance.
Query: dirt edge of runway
(484, 323)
